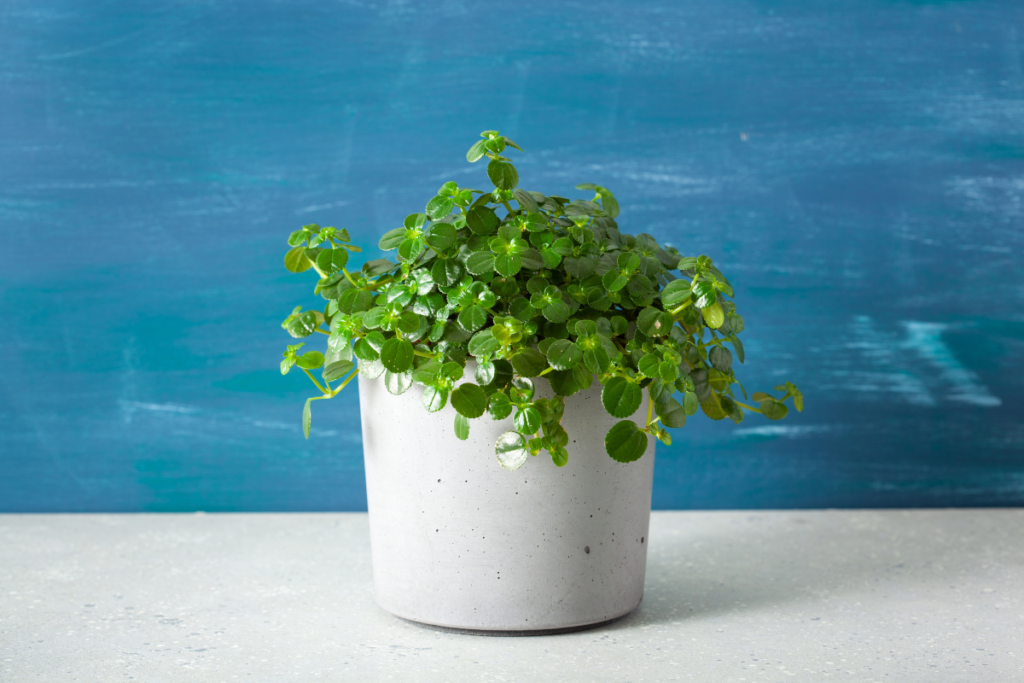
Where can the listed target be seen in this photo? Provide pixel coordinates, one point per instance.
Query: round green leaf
(675, 293)
(559, 456)
(397, 382)
(508, 264)
(557, 311)
(469, 400)
(649, 365)
(704, 294)
(614, 280)
(772, 409)
(439, 207)
(446, 271)
(307, 417)
(527, 420)
(477, 151)
(472, 318)
(310, 360)
(434, 398)
(671, 413)
(721, 358)
(442, 236)
(480, 263)
(511, 450)
(483, 343)
(713, 315)
(564, 355)
(295, 260)
(482, 220)
(396, 355)
(529, 362)
(502, 174)
(625, 442)
(621, 397)
(484, 374)
(391, 239)
(499, 406)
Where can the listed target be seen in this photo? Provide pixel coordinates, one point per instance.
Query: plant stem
(349, 276)
(322, 331)
(313, 379)
(675, 311)
(650, 408)
(347, 380)
(545, 372)
(746, 406)
(510, 211)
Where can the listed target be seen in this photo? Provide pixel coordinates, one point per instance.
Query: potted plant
(517, 323)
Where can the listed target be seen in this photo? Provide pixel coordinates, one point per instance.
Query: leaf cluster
(488, 291)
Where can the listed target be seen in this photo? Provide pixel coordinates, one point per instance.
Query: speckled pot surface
(461, 543)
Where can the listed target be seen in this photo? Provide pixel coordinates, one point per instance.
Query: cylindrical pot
(459, 542)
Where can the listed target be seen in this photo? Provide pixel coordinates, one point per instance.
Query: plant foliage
(526, 285)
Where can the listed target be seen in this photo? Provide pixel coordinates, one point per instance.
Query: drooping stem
(347, 380)
(313, 379)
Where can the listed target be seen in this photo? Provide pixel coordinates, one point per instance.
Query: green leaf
(774, 410)
(690, 403)
(649, 365)
(337, 370)
(307, 417)
(527, 420)
(624, 442)
(508, 264)
(483, 343)
(564, 355)
(482, 220)
(391, 239)
(721, 358)
(738, 345)
(446, 271)
(704, 294)
(442, 236)
(477, 151)
(614, 280)
(654, 323)
(502, 174)
(439, 207)
(529, 362)
(499, 407)
(671, 413)
(469, 400)
(526, 202)
(621, 397)
(713, 315)
(511, 450)
(480, 263)
(397, 383)
(557, 311)
(295, 260)
(310, 360)
(396, 355)
(485, 373)
(596, 360)
(675, 293)
(461, 427)
(472, 318)
(434, 398)
(355, 300)
(559, 456)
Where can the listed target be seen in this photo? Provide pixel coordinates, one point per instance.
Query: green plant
(549, 289)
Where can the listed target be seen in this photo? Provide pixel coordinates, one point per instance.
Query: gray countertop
(935, 595)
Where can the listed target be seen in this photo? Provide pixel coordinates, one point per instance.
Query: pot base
(516, 634)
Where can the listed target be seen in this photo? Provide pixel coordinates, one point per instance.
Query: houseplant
(515, 304)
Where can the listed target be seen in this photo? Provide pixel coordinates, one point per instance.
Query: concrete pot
(458, 542)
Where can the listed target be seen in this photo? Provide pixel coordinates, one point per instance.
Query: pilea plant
(526, 285)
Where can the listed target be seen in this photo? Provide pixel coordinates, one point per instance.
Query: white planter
(461, 543)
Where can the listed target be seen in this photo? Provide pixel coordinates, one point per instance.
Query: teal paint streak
(854, 167)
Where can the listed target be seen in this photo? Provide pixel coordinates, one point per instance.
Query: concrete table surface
(731, 596)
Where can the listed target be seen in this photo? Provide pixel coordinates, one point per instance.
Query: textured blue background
(856, 167)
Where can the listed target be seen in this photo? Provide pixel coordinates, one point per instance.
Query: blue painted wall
(857, 167)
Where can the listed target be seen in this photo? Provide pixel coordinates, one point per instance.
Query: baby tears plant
(526, 285)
